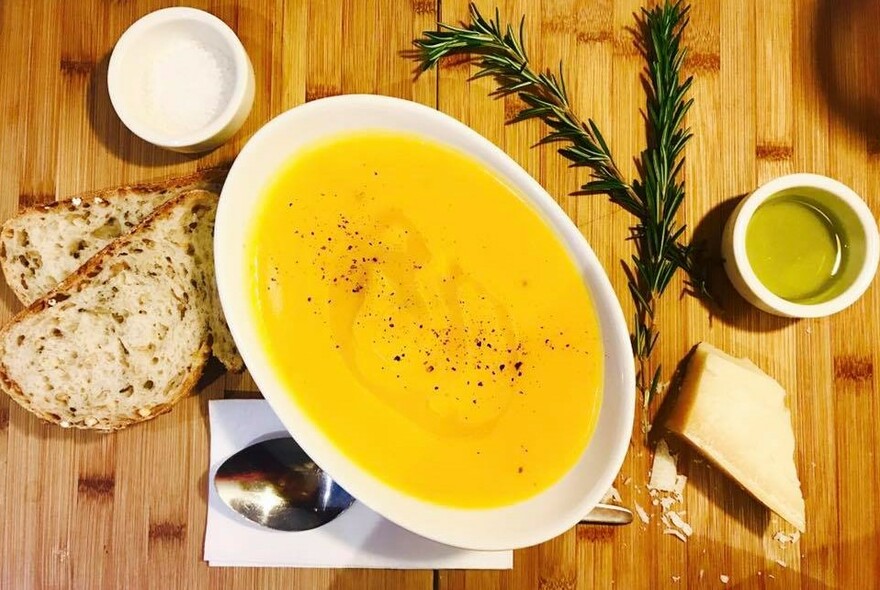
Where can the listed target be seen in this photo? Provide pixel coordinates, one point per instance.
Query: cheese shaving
(642, 514)
(724, 579)
(676, 534)
(678, 521)
(666, 488)
(663, 473)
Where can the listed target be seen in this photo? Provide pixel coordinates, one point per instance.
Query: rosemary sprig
(655, 199)
(659, 252)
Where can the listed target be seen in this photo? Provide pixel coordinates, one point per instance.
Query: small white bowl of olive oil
(801, 246)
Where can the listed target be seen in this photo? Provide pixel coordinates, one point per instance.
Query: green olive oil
(796, 248)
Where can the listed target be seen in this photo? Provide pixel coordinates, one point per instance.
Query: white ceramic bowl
(144, 41)
(839, 200)
(526, 523)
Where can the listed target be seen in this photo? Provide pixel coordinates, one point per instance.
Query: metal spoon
(275, 484)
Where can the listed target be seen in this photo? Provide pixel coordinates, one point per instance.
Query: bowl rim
(613, 331)
(129, 41)
(847, 198)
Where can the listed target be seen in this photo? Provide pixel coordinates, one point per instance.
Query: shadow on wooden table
(115, 136)
(846, 43)
(729, 308)
(669, 401)
(722, 491)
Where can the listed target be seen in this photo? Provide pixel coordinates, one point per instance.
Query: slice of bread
(129, 333)
(43, 245)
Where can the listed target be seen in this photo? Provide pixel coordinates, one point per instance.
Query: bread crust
(211, 178)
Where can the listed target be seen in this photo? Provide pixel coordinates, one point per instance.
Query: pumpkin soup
(426, 319)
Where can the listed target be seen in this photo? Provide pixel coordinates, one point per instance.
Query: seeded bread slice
(128, 334)
(43, 245)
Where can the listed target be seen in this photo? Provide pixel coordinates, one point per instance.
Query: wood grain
(779, 87)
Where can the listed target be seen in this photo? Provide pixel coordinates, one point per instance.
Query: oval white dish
(535, 520)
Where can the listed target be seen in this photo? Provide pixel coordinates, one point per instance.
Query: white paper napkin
(358, 538)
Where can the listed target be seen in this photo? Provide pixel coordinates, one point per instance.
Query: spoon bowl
(275, 484)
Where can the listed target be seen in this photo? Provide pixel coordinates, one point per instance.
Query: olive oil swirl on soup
(426, 319)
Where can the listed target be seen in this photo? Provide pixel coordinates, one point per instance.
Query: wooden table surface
(780, 86)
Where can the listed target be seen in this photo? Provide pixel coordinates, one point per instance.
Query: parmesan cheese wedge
(735, 414)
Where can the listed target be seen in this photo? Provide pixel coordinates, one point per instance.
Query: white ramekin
(128, 66)
(842, 200)
(531, 521)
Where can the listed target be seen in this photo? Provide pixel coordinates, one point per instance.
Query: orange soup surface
(426, 319)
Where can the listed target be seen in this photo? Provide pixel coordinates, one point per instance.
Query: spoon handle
(608, 514)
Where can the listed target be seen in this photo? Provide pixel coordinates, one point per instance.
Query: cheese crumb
(781, 563)
(724, 579)
(784, 539)
(99, 200)
(642, 514)
(676, 578)
(700, 576)
(76, 201)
